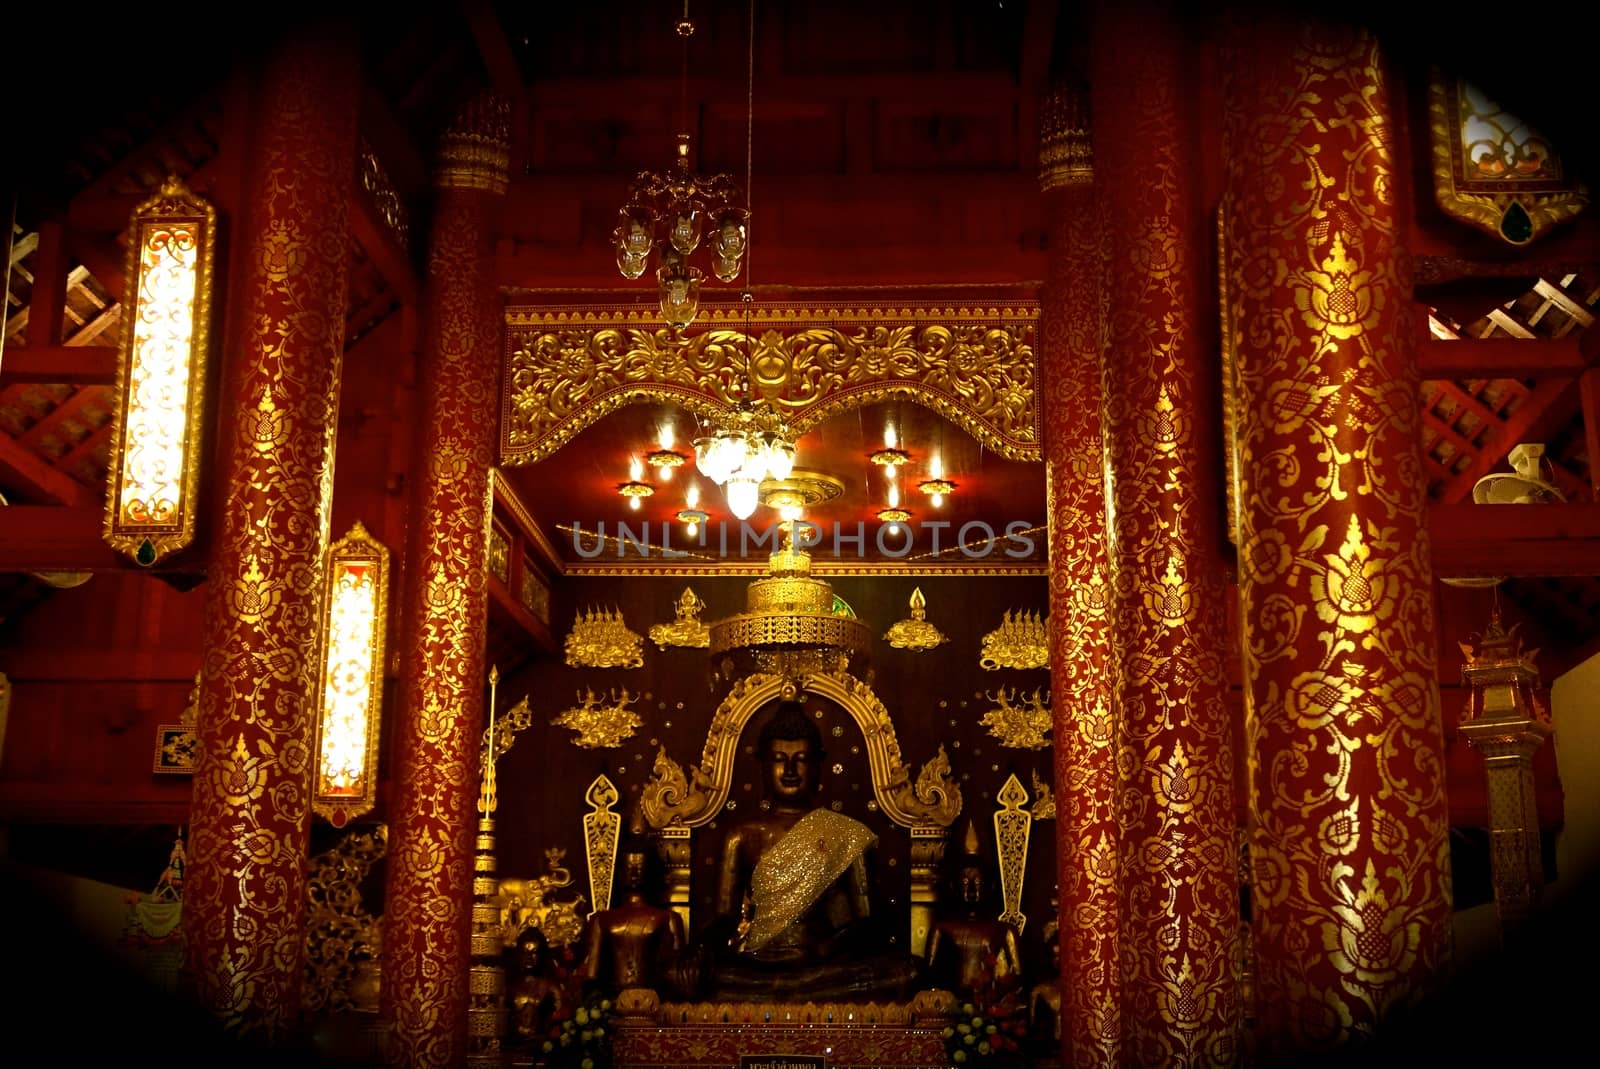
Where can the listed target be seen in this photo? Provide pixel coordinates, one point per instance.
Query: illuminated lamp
(354, 623)
(154, 480)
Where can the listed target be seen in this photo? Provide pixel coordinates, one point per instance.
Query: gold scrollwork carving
(1044, 800)
(530, 904)
(674, 798)
(916, 633)
(1491, 170)
(601, 827)
(600, 639)
(337, 924)
(568, 367)
(377, 184)
(600, 725)
(686, 629)
(1012, 828)
(1021, 641)
(1024, 725)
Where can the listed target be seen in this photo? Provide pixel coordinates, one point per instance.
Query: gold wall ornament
(381, 191)
(354, 629)
(499, 554)
(915, 633)
(1021, 641)
(338, 927)
(498, 737)
(600, 724)
(1012, 827)
(1044, 801)
(1024, 725)
(600, 639)
(162, 368)
(686, 629)
(694, 799)
(176, 744)
(531, 903)
(1066, 154)
(601, 828)
(1493, 171)
(567, 367)
(475, 152)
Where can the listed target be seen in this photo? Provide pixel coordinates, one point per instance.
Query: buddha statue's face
(791, 770)
(972, 885)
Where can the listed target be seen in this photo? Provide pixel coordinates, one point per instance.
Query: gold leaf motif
(600, 725)
(669, 798)
(600, 639)
(915, 633)
(1025, 725)
(686, 628)
(1355, 591)
(1339, 300)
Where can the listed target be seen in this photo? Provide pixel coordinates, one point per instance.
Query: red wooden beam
(27, 473)
(1515, 540)
(381, 246)
(1499, 358)
(1589, 398)
(51, 538)
(47, 301)
(73, 365)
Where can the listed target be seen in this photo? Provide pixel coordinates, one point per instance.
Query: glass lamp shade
(779, 456)
(680, 293)
(636, 231)
(685, 230)
(732, 233)
(744, 494)
(631, 265)
(725, 269)
(720, 455)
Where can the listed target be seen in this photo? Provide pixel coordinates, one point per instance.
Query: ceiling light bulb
(894, 496)
(635, 469)
(890, 439)
(935, 466)
(693, 528)
(744, 494)
(938, 500)
(664, 436)
(633, 503)
(789, 513)
(691, 495)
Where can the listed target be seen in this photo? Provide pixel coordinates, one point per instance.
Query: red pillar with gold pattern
(245, 889)
(1177, 864)
(1074, 322)
(1350, 869)
(427, 912)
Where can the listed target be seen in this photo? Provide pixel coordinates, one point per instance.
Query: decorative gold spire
(1066, 156)
(475, 153)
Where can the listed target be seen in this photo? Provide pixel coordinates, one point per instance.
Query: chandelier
(667, 214)
(750, 446)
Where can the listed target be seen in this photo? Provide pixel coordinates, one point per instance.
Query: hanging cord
(748, 297)
(685, 31)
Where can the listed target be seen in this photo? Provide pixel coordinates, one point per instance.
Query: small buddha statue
(793, 903)
(634, 943)
(534, 996)
(971, 951)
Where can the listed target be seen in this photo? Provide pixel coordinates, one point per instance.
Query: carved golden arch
(566, 368)
(674, 798)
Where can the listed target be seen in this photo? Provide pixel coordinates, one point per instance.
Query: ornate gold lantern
(354, 622)
(161, 376)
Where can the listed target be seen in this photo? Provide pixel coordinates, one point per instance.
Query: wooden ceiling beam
(51, 538)
(47, 300)
(1589, 401)
(504, 74)
(74, 365)
(25, 472)
(381, 246)
(1499, 358)
(1515, 540)
(66, 410)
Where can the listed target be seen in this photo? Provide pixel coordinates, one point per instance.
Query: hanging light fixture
(354, 624)
(936, 486)
(161, 376)
(667, 213)
(754, 443)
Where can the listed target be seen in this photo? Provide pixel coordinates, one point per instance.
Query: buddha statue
(793, 905)
(972, 952)
(634, 943)
(534, 996)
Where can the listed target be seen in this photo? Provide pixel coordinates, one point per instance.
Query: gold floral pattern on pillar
(686, 629)
(1024, 724)
(1021, 641)
(1491, 169)
(1176, 873)
(1012, 829)
(915, 633)
(162, 369)
(1349, 853)
(598, 722)
(354, 629)
(601, 639)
